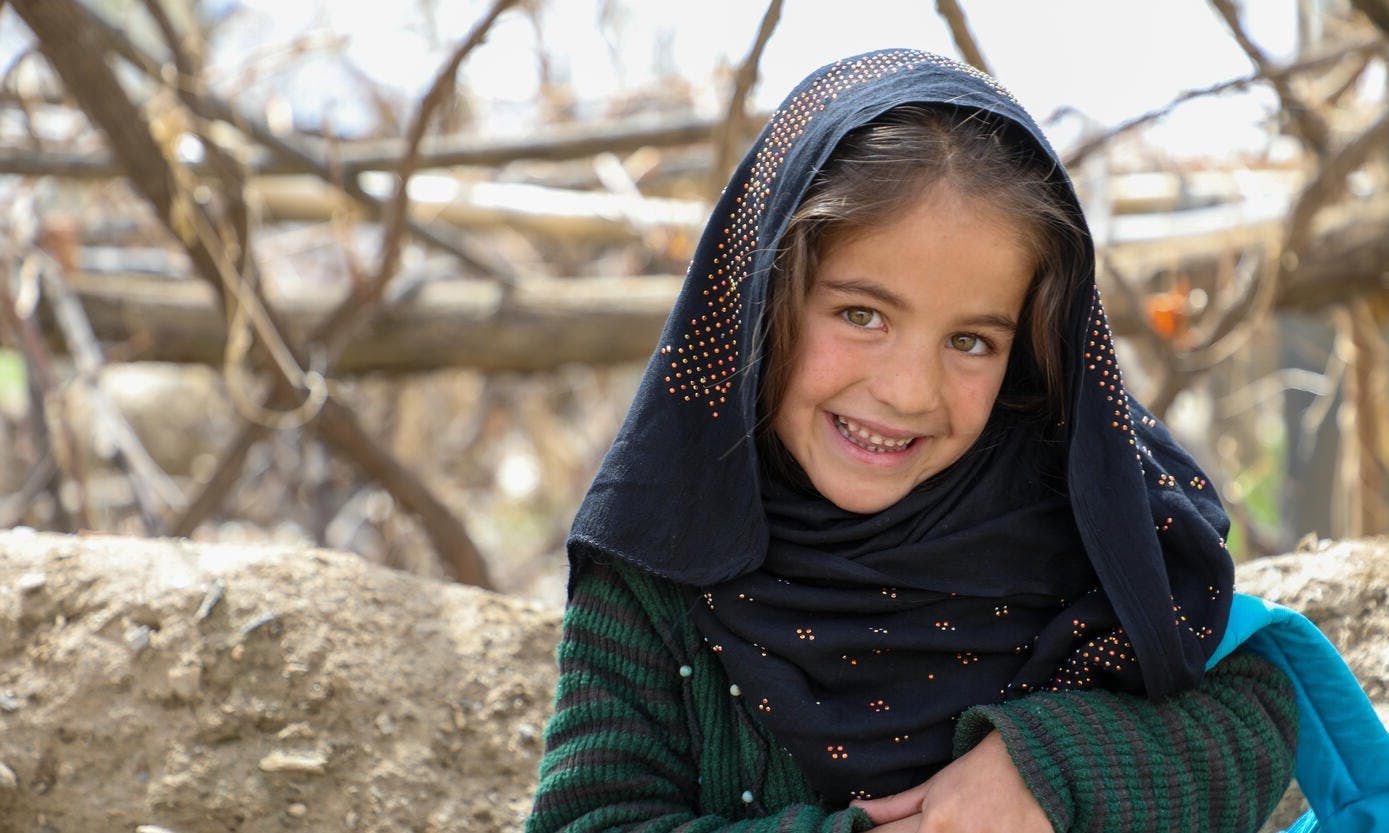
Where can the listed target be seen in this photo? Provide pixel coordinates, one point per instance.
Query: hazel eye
(969, 343)
(860, 317)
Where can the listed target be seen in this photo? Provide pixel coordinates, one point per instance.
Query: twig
(78, 56)
(1328, 184)
(446, 533)
(247, 309)
(1171, 379)
(35, 142)
(1362, 465)
(41, 476)
(301, 158)
(349, 316)
(1082, 151)
(1307, 124)
(728, 137)
(1377, 11)
(188, 85)
(1272, 385)
(1258, 541)
(344, 323)
(964, 39)
(41, 379)
(149, 483)
(560, 144)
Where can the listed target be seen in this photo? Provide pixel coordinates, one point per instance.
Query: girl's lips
(869, 437)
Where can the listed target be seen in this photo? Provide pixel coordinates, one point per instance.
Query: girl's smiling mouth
(868, 439)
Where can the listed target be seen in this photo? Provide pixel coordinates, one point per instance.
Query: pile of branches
(280, 356)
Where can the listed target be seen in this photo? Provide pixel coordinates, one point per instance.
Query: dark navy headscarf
(1033, 563)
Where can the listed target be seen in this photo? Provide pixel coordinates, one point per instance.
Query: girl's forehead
(924, 204)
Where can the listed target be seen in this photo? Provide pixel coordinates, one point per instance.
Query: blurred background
(383, 277)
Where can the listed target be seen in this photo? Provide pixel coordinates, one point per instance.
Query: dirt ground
(162, 686)
(174, 687)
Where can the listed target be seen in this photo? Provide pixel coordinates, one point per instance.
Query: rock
(1344, 588)
(29, 582)
(185, 681)
(213, 687)
(138, 637)
(310, 763)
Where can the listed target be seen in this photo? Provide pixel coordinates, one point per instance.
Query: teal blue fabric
(1342, 748)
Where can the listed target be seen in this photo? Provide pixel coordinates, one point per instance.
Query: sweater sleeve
(1215, 759)
(620, 752)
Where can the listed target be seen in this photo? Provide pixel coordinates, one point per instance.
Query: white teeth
(863, 438)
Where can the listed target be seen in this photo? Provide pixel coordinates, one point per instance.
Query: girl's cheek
(978, 391)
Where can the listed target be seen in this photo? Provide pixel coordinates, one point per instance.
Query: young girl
(883, 541)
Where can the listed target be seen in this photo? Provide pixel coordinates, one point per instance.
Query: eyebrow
(877, 292)
(991, 321)
(883, 295)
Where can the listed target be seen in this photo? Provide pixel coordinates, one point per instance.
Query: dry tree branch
(336, 331)
(1239, 319)
(1170, 376)
(41, 380)
(41, 475)
(235, 230)
(1305, 122)
(1083, 151)
(1362, 465)
(728, 136)
(150, 485)
(463, 559)
(301, 158)
(1329, 184)
(353, 158)
(1377, 11)
(954, 17)
(1271, 279)
(343, 324)
(7, 82)
(78, 54)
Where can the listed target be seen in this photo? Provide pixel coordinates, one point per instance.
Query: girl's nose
(910, 381)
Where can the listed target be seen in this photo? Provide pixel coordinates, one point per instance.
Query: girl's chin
(862, 501)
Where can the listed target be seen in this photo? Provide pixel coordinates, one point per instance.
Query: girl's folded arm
(620, 750)
(1216, 758)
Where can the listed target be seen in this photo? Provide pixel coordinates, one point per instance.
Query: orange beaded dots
(1101, 364)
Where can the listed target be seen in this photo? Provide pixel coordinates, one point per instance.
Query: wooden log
(576, 142)
(555, 212)
(548, 322)
(544, 323)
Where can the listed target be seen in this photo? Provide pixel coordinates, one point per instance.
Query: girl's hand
(981, 792)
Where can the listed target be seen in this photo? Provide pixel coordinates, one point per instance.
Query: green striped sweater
(648, 734)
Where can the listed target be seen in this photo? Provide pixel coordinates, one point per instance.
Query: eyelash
(981, 341)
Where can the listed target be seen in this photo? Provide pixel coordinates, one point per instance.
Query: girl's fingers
(910, 824)
(893, 807)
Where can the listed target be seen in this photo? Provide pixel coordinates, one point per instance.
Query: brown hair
(885, 166)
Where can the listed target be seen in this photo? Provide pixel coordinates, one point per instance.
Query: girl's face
(903, 342)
